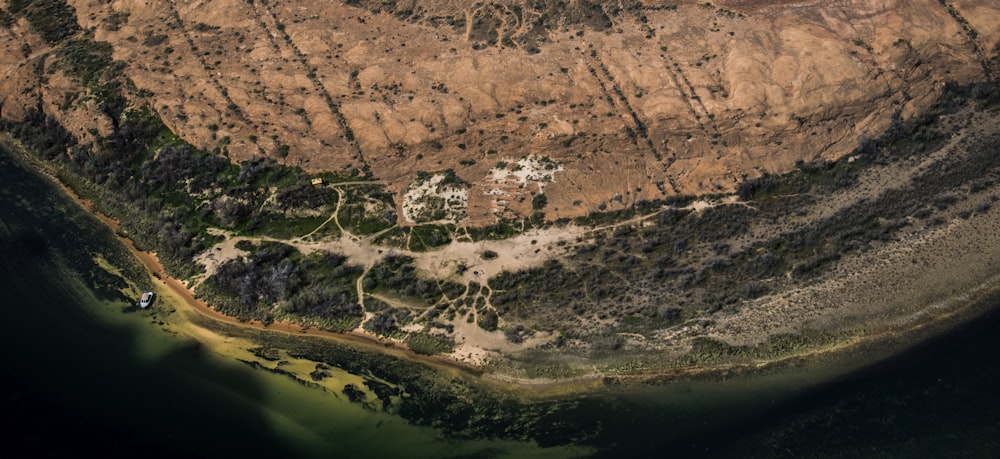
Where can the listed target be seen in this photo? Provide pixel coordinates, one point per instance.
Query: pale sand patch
(703, 204)
(472, 355)
(455, 199)
(528, 250)
(529, 169)
(354, 248)
(218, 254)
(475, 346)
(518, 177)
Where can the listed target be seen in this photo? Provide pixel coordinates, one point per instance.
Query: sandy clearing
(454, 199)
(475, 346)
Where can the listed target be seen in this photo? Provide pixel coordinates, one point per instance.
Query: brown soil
(686, 100)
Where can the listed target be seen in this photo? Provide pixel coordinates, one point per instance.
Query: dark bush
(750, 188)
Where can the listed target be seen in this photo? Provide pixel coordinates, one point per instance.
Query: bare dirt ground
(639, 103)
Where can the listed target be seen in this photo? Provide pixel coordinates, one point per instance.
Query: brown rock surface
(634, 102)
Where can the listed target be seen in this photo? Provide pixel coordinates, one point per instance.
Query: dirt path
(185, 296)
(178, 289)
(527, 250)
(333, 216)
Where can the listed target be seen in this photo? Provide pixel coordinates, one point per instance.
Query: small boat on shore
(146, 300)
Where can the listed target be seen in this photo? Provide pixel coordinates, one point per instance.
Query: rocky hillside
(596, 104)
(623, 101)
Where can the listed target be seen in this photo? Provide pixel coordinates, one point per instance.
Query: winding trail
(183, 295)
(334, 216)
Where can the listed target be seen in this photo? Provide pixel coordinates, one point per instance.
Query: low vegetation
(54, 20)
(680, 265)
(167, 194)
(275, 281)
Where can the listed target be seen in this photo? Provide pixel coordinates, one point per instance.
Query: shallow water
(120, 381)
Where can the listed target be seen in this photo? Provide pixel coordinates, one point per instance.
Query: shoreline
(152, 264)
(156, 271)
(884, 345)
(938, 318)
(916, 332)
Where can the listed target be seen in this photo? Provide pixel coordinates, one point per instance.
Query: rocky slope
(624, 101)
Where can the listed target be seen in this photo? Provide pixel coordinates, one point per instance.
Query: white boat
(146, 300)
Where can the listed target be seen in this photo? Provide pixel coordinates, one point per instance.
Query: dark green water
(81, 375)
(84, 373)
(74, 383)
(938, 399)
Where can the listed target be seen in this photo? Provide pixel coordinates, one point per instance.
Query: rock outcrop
(627, 101)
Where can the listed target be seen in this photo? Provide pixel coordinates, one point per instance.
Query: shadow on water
(80, 376)
(72, 384)
(70, 380)
(936, 399)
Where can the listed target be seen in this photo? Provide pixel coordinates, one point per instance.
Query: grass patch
(428, 344)
(426, 237)
(279, 227)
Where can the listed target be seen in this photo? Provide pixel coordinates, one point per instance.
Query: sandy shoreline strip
(153, 265)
